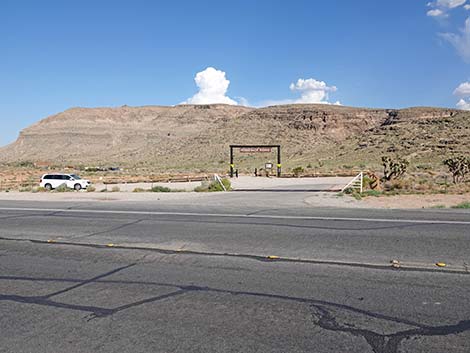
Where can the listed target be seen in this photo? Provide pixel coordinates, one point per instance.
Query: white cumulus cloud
(463, 104)
(463, 91)
(460, 41)
(213, 86)
(311, 91)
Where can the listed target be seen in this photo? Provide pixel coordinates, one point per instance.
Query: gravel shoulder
(312, 199)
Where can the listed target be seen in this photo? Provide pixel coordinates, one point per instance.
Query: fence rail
(356, 183)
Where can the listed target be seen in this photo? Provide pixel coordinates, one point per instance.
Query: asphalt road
(195, 277)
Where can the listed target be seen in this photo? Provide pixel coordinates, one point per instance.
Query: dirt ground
(327, 198)
(415, 201)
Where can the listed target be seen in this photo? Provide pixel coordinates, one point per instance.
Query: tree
(394, 169)
(459, 167)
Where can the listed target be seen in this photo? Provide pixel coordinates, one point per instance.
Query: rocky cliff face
(189, 137)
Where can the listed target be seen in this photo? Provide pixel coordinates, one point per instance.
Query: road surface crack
(382, 343)
(323, 312)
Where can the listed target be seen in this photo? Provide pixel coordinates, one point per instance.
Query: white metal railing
(219, 180)
(356, 183)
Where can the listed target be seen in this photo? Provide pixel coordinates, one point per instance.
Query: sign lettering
(255, 149)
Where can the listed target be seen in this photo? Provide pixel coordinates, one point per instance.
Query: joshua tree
(394, 169)
(459, 167)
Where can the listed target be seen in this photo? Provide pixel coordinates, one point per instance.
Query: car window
(47, 177)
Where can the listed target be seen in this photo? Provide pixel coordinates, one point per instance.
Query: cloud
(450, 3)
(463, 91)
(440, 8)
(212, 86)
(311, 91)
(242, 101)
(467, 7)
(436, 13)
(446, 4)
(463, 104)
(460, 41)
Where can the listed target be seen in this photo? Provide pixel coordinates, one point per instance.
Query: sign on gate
(255, 149)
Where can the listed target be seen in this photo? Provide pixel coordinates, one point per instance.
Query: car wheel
(77, 187)
(48, 187)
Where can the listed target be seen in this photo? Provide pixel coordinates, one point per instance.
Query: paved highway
(184, 276)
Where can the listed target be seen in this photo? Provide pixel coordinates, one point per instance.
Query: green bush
(25, 164)
(463, 205)
(372, 193)
(138, 190)
(115, 189)
(357, 195)
(298, 170)
(62, 188)
(214, 186)
(160, 189)
(227, 184)
(201, 188)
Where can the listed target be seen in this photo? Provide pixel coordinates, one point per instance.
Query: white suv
(72, 181)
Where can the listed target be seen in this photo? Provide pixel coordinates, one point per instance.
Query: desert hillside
(196, 137)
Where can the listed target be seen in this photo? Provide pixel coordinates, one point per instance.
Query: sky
(57, 54)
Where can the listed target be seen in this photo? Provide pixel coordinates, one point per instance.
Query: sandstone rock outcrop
(191, 136)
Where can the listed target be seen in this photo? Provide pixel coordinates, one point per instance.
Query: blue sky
(59, 54)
